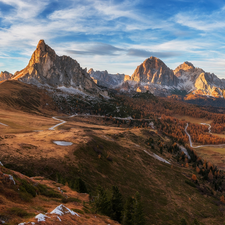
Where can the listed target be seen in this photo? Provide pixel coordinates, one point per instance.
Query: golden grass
(19, 122)
(192, 119)
(215, 155)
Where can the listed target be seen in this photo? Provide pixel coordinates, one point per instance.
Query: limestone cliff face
(5, 75)
(153, 70)
(105, 79)
(185, 67)
(191, 78)
(47, 68)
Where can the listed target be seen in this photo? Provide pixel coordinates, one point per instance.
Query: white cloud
(200, 21)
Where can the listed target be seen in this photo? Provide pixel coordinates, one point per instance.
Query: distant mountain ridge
(105, 79)
(153, 75)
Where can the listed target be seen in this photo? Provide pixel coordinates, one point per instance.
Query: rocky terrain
(5, 75)
(197, 80)
(103, 78)
(47, 69)
(154, 76)
(154, 71)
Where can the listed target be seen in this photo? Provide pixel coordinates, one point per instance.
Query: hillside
(110, 152)
(25, 97)
(130, 142)
(36, 200)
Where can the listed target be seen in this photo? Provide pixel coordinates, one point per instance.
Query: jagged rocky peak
(106, 79)
(5, 75)
(47, 68)
(186, 66)
(153, 70)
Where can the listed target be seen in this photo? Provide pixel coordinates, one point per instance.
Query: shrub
(44, 190)
(19, 212)
(190, 183)
(183, 222)
(66, 200)
(29, 188)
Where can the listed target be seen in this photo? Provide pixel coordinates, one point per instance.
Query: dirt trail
(190, 141)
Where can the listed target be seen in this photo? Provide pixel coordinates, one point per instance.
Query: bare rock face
(5, 75)
(191, 78)
(153, 70)
(185, 67)
(47, 68)
(105, 79)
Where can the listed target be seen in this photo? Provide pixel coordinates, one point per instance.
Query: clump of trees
(112, 203)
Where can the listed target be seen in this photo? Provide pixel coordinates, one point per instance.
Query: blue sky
(115, 35)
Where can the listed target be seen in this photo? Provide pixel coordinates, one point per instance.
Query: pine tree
(183, 222)
(128, 212)
(116, 204)
(80, 186)
(196, 222)
(138, 217)
(102, 204)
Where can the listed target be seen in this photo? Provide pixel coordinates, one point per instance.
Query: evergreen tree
(161, 150)
(128, 212)
(196, 222)
(80, 186)
(116, 204)
(138, 217)
(102, 204)
(183, 222)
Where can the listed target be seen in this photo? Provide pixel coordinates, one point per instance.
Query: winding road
(190, 141)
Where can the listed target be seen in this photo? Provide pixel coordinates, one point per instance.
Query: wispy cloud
(201, 21)
(114, 34)
(97, 49)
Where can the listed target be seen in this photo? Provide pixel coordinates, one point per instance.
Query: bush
(29, 188)
(19, 212)
(190, 183)
(183, 222)
(80, 186)
(66, 200)
(44, 190)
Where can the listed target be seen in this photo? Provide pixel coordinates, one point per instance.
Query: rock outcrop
(197, 80)
(153, 75)
(154, 71)
(47, 68)
(103, 78)
(5, 75)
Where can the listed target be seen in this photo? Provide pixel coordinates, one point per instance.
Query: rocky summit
(198, 81)
(5, 75)
(46, 68)
(153, 70)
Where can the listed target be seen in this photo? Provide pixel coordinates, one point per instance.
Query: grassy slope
(166, 196)
(17, 205)
(25, 97)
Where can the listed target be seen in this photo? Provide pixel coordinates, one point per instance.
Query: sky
(115, 35)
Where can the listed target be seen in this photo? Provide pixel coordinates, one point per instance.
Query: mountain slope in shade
(5, 75)
(47, 68)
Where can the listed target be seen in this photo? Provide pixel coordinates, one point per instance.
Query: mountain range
(155, 76)
(47, 69)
